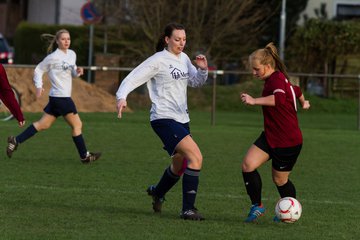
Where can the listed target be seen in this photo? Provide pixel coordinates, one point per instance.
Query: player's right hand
(121, 105)
(247, 99)
(39, 92)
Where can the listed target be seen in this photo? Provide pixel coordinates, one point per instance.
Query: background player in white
(60, 66)
(168, 73)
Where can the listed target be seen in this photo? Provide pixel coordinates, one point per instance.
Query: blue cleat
(276, 219)
(255, 212)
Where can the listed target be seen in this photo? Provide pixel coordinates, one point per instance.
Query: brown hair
(269, 55)
(52, 39)
(167, 33)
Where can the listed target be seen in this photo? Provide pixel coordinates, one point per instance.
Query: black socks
(253, 186)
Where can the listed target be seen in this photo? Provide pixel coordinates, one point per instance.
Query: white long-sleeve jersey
(167, 77)
(61, 67)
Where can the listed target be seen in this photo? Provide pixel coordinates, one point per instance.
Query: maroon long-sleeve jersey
(280, 121)
(7, 96)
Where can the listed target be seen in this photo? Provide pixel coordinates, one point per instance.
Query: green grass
(46, 193)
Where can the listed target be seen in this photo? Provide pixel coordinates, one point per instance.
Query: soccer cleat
(255, 212)
(12, 146)
(91, 157)
(157, 201)
(191, 214)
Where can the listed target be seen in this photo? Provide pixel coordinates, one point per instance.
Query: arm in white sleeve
(197, 77)
(40, 69)
(74, 73)
(140, 75)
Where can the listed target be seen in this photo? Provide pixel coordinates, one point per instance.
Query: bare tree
(223, 30)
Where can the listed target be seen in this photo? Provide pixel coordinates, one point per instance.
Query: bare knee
(77, 128)
(189, 149)
(246, 167)
(195, 162)
(279, 181)
(40, 126)
(253, 159)
(177, 164)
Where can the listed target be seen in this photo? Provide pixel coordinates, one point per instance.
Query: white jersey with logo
(167, 77)
(61, 67)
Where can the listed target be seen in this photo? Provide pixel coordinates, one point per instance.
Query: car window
(3, 46)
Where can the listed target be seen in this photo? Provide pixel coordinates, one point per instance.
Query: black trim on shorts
(283, 159)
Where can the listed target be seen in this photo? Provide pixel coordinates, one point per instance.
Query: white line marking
(207, 194)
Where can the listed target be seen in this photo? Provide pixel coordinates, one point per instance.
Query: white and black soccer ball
(288, 210)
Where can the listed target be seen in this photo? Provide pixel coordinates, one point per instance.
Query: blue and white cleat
(255, 212)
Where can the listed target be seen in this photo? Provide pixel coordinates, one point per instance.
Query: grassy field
(46, 193)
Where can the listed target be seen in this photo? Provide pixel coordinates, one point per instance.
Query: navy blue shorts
(60, 106)
(283, 159)
(170, 133)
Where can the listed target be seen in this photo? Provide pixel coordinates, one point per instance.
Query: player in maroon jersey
(281, 139)
(8, 98)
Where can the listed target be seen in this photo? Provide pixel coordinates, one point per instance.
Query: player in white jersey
(60, 66)
(168, 73)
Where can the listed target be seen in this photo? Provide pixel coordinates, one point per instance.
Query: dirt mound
(87, 97)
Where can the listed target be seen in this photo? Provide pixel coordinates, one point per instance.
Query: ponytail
(269, 55)
(279, 65)
(161, 43)
(51, 39)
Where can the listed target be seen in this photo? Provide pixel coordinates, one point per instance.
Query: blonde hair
(51, 39)
(269, 55)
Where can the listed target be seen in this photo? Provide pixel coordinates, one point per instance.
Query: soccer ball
(288, 210)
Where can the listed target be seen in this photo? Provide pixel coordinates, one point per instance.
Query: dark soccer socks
(253, 186)
(80, 145)
(28, 133)
(287, 190)
(190, 188)
(167, 181)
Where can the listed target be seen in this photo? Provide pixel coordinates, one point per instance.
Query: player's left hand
(21, 123)
(79, 71)
(201, 62)
(306, 105)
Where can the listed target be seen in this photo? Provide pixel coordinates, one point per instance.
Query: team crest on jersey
(177, 73)
(66, 66)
